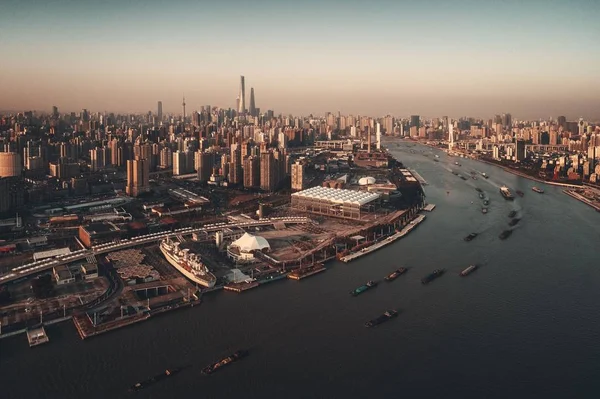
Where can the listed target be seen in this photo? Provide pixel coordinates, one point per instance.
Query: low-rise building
(62, 275)
(89, 271)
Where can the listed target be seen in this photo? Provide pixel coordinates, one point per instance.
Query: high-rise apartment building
(97, 159)
(204, 164)
(159, 113)
(298, 176)
(10, 164)
(268, 171)
(235, 166)
(251, 172)
(138, 177)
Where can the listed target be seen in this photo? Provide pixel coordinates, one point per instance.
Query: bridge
(45, 264)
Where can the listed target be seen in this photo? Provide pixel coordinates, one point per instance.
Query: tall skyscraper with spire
(183, 104)
(252, 103)
(242, 96)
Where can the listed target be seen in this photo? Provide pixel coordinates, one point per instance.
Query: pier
(418, 176)
(584, 199)
(414, 223)
(37, 336)
(429, 207)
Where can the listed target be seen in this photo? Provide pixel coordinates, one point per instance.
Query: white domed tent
(241, 249)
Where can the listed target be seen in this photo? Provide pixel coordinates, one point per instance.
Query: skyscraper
(415, 121)
(252, 103)
(378, 136)
(242, 97)
(183, 104)
(159, 113)
(138, 173)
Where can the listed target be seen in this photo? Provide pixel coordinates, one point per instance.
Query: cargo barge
(394, 275)
(514, 222)
(157, 378)
(225, 362)
(304, 272)
(430, 277)
(364, 288)
(242, 286)
(469, 270)
(388, 315)
(470, 237)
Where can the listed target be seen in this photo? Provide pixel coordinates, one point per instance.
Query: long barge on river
(304, 272)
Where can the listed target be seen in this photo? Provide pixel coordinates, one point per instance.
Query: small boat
(436, 160)
(469, 270)
(520, 193)
(395, 274)
(470, 237)
(388, 315)
(514, 222)
(226, 361)
(486, 202)
(484, 175)
(538, 190)
(478, 190)
(484, 210)
(505, 234)
(512, 214)
(150, 381)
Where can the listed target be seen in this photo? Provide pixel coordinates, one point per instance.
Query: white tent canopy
(248, 242)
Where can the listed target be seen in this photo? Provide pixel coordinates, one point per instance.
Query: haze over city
(534, 58)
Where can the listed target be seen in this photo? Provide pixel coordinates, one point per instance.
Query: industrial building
(97, 233)
(346, 204)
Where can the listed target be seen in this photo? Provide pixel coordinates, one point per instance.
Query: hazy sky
(446, 57)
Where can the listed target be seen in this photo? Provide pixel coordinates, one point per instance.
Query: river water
(524, 325)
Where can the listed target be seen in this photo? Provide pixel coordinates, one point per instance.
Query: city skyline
(534, 59)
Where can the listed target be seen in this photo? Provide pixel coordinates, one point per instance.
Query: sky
(530, 58)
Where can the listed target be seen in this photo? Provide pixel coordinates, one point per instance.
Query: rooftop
(340, 196)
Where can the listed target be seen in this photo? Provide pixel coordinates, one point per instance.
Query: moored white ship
(188, 264)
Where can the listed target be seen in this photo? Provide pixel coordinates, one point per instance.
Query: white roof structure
(339, 196)
(248, 242)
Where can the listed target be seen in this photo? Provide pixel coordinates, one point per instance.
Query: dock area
(591, 199)
(414, 223)
(429, 207)
(86, 327)
(37, 336)
(418, 176)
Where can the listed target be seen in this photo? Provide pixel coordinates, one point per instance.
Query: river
(522, 326)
